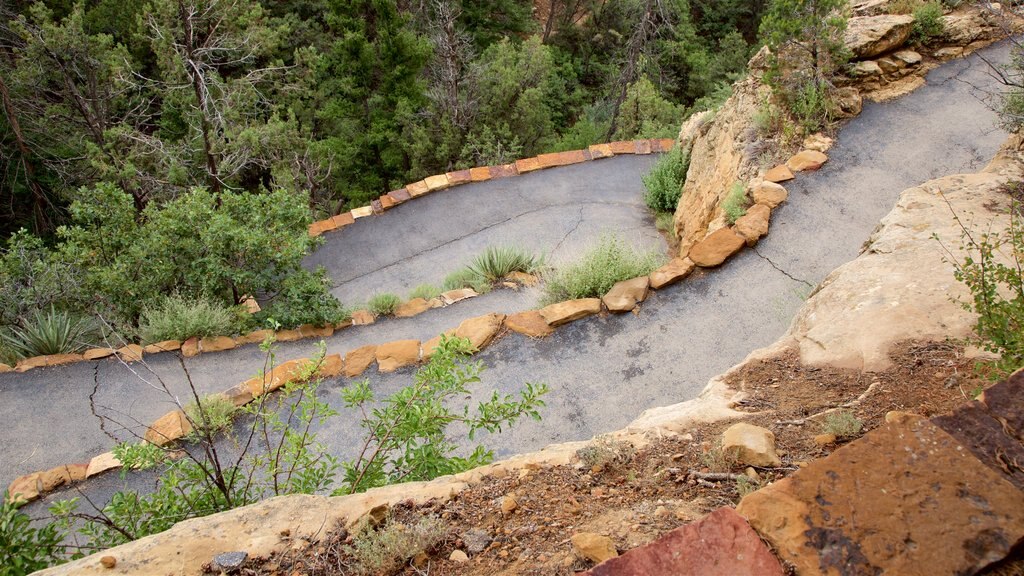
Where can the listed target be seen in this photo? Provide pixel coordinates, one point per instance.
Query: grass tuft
(425, 291)
(735, 204)
(843, 424)
(179, 318)
(466, 278)
(215, 415)
(387, 549)
(384, 303)
(610, 261)
(496, 262)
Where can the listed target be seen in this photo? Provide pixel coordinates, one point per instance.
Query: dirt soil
(633, 496)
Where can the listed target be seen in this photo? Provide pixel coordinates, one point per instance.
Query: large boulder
(870, 36)
(716, 248)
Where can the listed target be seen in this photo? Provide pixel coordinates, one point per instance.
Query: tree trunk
(40, 201)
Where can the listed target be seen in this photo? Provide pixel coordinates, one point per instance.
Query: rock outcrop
(869, 36)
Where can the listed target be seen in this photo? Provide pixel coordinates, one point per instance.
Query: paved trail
(603, 371)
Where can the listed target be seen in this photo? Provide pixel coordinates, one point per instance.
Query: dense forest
(180, 147)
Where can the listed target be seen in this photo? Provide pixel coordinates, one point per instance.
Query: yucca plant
(496, 262)
(48, 332)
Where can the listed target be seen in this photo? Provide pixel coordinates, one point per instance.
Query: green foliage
(746, 485)
(496, 262)
(610, 261)
(211, 414)
(407, 433)
(664, 183)
(179, 318)
(812, 28)
(305, 298)
(24, 549)
(34, 279)
(843, 424)
(49, 332)
(927, 22)
(425, 291)
(646, 114)
(991, 268)
(665, 222)
(387, 549)
(466, 278)
(384, 303)
(812, 105)
(735, 204)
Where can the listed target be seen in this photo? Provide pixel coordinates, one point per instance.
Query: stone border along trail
(604, 371)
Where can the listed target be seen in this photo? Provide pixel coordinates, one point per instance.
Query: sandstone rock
(239, 394)
(563, 312)
(412, 308)
(749, 444)
(825, 439)
(964, 28)
(523, 278)
(362, 212)
(625, 295)
(889, 64)
(818, 142)
(691, 128)
(870, 36)
(908, 57)
(97, 353)
(255, 337)
(229, 561)
(358, 360)
(806, 161)
(437, 182)
(849, 101)
(452, 296)
(459, 177)
(716, 248)
(216, 344)
(529, 323)
(164, 346)
(102, 463)
(398, 354)
(676, 270)
(51, 360)
(754, 224)
(509, 504)
(720, 544)
(24, 489)
(5, 368)
(108, 562)
(949, 52)
(130, 353)
(458, 556)
(190, 347)
(593, 547)
(288, 335)
(866, 68)
(279, 376)
(168, 428)
(362, 318)
(778, 174)
(768, 193)
(887, 505)
(314, 331)
(343, 219)
(480, 330)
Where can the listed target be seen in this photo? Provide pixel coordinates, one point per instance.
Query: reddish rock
(676, 270)
(412, 308)
(779, 174)
(716, 248)
(428, 347)
(644, 147)
(720, 544)
(754, 224)
(664, 145)
(386, 202)
(376, 206)
(459, 177)
(216, 344)
(55, 478)
(480, 174)
(190, 347)
(342, 220)
(529, 323)
(97, 353)
(316, 229)
(288, 335)
(503, 171)
(563, 312)
(24, 489)
(528, 165)
(480, 330)
(358, 360)
(281, 375)
(130, 353)
(164, 346)
(600, 151)
(768, 193)
(806, 161)
(108, 562)
(622, 147)
(5, 368)
(51, 360)
(625, 295)
(168, 428)
(398, 354)
(362, 318)
(906, 498)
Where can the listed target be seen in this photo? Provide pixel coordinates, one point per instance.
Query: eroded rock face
(750, 445)
(870, 36)
(716, 248)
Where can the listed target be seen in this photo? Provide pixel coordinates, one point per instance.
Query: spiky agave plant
(48, 332)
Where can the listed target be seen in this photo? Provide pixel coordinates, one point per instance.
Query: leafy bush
(425, 291)
(466, 278)
(384, 304)
(927, 22)
(179, 318)
(407, 432)
(388, 549)
(210, 415)
(24, 549)
(496, 262)
(305, 298)
(34, 278)
(811, 104)
(48, 332)
(842, 424)
(992, 270)
(664, 183)
(735, 204)
(610, 261)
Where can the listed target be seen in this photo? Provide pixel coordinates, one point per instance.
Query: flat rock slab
(754, 224)
(779, 174)
(907, 498)
(676, 270)
(412, 308)
(625, 295)
(480, 331)
(721, 544)
(563, 312)
(398, 354)
(358, 360)
(806, 161)
(529, 323)
(716, 248)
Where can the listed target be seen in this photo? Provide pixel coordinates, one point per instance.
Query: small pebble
(458, 556)
(108, 561)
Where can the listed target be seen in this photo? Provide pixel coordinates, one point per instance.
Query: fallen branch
(716, 476)
(850, 404)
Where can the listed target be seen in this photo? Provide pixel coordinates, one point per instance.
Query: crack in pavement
(579, 220)
(776, 266)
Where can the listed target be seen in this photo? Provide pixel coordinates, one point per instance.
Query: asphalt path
(602, 371)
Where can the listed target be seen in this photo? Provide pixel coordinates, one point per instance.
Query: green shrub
(466, 278)
(305, 298)
(48, 332)
(842, 424)
(496, 262)
(384, 304)
(811, 104)
(425, 291)
(180, 318)
(664, 183)
(665, 222)
(24, 549)
(735, 204)
(387, 549)
(215, 416)
(610, 261)
(927, 22)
